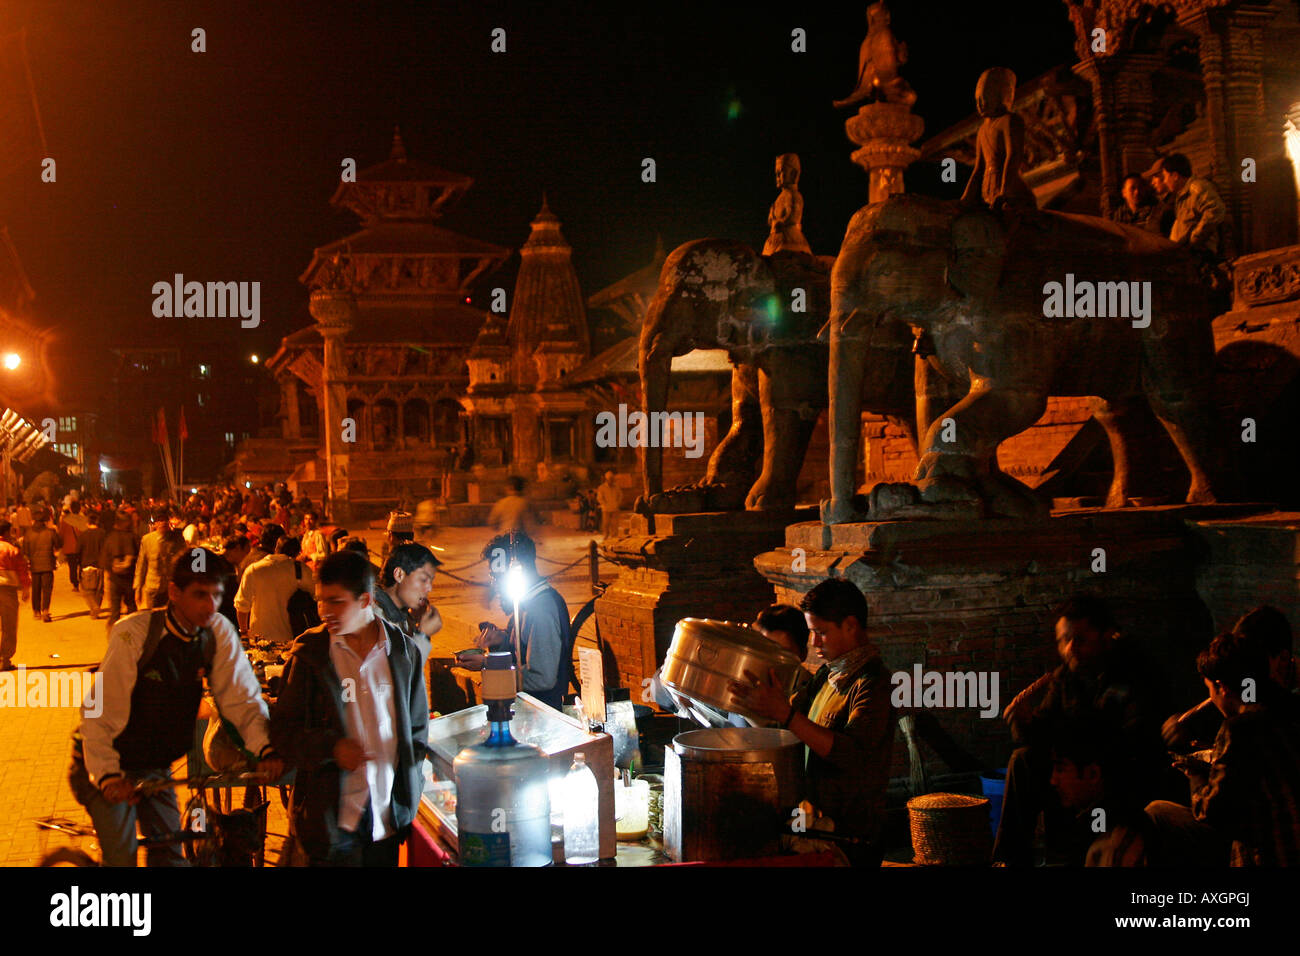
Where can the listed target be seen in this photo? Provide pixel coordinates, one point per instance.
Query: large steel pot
(706, 656)
(729, 792)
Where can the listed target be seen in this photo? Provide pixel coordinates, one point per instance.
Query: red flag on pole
(181, 431)
(160, 427)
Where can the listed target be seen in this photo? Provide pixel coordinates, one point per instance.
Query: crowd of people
(116, 550)
(1114, 778)
(1117, 782)
(351, 709)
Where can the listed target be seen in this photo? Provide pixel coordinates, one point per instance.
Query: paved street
(34, 741)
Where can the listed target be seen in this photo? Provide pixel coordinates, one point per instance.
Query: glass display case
(558, 735)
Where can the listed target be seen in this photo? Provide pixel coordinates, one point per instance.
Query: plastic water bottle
(581, 814)
(503, 807)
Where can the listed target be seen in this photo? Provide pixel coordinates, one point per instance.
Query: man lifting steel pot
(843, 715)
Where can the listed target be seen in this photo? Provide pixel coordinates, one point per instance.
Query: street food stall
(726, 794)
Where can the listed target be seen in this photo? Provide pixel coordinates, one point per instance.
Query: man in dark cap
(1163, 214)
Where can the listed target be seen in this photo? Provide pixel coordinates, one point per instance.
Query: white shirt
(372, 720)
(264, 593)
(237, 692)
(313, 544)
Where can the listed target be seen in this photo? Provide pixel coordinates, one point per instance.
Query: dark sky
(220, 165)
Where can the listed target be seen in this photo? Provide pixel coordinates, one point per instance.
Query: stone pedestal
(676, 566)
(979, 596)
(1249, 561)
(883, 132)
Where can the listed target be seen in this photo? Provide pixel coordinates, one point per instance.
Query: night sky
(219, 165)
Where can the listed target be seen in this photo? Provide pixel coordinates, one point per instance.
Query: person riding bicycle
(140, 716)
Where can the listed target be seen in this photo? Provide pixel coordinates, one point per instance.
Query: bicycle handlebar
(147, 787)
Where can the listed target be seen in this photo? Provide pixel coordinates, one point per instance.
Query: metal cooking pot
(705, 656)
(728, 792)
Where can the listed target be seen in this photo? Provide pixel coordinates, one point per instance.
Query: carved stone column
(289, 399)
(1231, 46)
(1134, 124)
(1244, 91)
(883, 132)
(1100, 74)
(335, 312)
(1232, 43)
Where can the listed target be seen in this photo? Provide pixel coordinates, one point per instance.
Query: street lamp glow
(253, 358)
(12, 360)
(516, 584)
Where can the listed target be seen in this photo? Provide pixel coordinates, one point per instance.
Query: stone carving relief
(1272, 282)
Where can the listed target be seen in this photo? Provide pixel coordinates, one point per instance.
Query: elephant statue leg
(1175, 387)
(734, 459)
(1186, 418)
(849, 357)
(787, 428)
(935, 394)
(960, 459)
(1114, 417)
(731, 466)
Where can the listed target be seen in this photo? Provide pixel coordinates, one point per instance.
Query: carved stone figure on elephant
(1058, 305)
(766, 312)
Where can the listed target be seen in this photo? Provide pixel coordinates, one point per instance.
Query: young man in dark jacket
(117, 560)
(352, 719)
(90, 575)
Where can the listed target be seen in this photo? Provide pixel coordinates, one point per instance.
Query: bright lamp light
(13, 360)
(516, 584)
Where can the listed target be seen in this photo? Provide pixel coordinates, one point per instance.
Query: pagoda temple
(402, 370)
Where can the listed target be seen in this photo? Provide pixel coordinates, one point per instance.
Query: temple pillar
(1231, 46)
(1100, 72)
(1133, 126)
(526, 426)
(1244, 96)
(335, 312)
(292, 427)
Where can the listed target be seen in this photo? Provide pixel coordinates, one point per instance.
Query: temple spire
(398, 151)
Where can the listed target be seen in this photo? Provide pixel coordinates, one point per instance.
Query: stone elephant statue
(1012, 311)
(717, 293)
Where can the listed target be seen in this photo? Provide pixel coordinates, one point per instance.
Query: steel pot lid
(705, 656)
(735, 636)
(736, 744)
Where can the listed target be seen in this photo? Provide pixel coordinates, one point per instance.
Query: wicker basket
(950, 829)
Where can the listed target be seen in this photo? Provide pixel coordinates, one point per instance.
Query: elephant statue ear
(979, 249)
